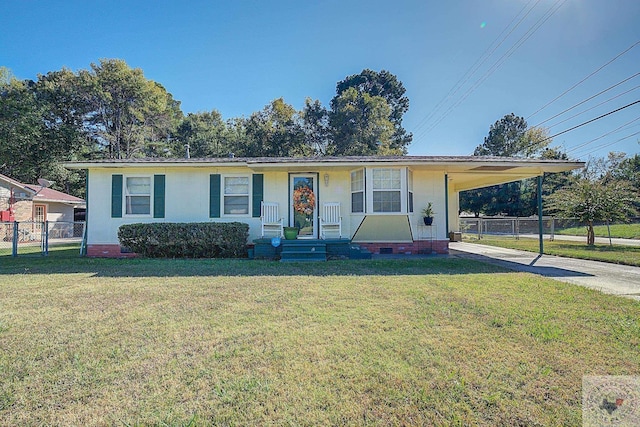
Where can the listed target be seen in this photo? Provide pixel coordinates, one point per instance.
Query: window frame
(224, 195)
(410, 199)
(403, 190)
(362, 190)
(126, 195)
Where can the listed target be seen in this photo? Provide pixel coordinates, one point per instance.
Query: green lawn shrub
(186, 240)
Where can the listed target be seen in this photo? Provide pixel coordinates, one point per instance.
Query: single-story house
(378, 199)
(33, 202)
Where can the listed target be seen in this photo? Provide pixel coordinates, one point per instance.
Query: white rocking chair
(270, 218)
(331, 219)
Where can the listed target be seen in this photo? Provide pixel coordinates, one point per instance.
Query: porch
(330, 249)
(308, 250)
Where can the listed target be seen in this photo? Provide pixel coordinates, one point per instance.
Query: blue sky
(237, 56)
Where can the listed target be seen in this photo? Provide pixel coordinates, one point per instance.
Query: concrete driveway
(609, 278)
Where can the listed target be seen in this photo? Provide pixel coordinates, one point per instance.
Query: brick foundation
(416, 247)
(108, 251)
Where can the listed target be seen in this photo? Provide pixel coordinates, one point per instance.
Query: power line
(595, 106)
(583, 80)
(611, 143)
(588, 121)
(550, 12)
(584, 144)
(590, 98)
(479, 62)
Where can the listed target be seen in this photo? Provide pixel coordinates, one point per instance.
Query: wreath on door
(304, 201)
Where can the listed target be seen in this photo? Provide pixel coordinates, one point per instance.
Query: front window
(138, 195)
(410, 189)
(357, 191)
(236, 195)
(387, 190)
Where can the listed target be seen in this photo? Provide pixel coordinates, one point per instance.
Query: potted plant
(290, 233)
(427, 214)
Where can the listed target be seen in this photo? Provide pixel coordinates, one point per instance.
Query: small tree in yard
(595, 200)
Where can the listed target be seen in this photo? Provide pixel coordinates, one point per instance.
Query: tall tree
(23, 155)
(360, 125)
(511, 137)
(128, 114)
(629, 170)
(387, 86)
(206, 135)
(5, 75)
(275, 131)
(316, 127)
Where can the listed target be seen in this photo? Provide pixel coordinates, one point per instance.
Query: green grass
(433, 341)
(622, 231)
(33, 249)
(617, 254)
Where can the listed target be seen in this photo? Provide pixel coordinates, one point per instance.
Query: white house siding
(338, 190)
(59, 212)
(187, 198)
(428, 186)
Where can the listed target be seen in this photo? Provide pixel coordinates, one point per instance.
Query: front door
(303, 209)
(39, 216)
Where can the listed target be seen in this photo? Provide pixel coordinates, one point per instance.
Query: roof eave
(350, 162)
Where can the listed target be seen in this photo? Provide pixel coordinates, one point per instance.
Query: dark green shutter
(257, 193)
(116, 196)
(214, 196)
(158, 196)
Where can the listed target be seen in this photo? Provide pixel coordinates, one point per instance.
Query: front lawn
(432, 341)
(618, 254)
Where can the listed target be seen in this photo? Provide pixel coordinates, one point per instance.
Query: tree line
(512, 137)
(112, 111)
(605, 190)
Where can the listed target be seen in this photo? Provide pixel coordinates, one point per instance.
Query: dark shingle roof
(317, 159)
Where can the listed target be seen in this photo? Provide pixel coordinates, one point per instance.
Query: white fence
(30, 237)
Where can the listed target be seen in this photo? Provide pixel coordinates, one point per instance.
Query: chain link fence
(35, 238)
(514, 226)
(517, 227)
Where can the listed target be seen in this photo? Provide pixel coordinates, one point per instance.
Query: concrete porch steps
(303, 250)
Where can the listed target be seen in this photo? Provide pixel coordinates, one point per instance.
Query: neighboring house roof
(13, 183)
(463, 172)
(38, 193)
(44, 194)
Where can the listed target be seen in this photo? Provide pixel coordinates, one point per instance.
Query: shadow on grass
(545, 271)
(68, 262)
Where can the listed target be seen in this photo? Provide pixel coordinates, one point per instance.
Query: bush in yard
(186, 240)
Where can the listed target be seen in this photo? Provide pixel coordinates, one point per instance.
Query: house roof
(13, 183)
(44, 194)
(326, 161)
(463, 172)
(39, 193)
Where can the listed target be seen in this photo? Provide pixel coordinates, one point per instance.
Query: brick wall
(22, 210)
(417, 247)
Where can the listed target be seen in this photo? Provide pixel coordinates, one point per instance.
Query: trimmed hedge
(186, 240)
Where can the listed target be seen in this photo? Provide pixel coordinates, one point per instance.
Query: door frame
(37, 224)
(315, 177)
